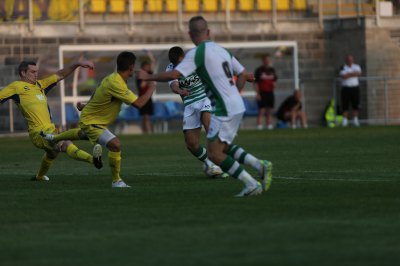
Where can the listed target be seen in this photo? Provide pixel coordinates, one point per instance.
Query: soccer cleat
(224, 175)
(48, 137)
(120, 184)
(214, 171)
(250, 191)
(43, 178)
(97, 152)
(266, 174)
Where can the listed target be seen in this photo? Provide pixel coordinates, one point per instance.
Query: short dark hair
(24, 65)
(198, 25)
(125, 60)
(174, 53)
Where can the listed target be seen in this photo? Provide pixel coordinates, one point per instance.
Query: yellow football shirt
(104, 106)
(31, 99)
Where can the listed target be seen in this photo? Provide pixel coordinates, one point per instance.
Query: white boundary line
(26, 172)
(282, 177)
(334, 179)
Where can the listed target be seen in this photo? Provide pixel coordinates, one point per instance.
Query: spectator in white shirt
(349, 73)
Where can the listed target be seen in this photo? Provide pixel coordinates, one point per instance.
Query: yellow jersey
(104, 105)
(31, 99)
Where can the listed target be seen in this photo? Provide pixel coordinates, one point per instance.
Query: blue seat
(160, 111)
(282, 124)
(160, 117)
(174, 109)
(71, 114)
(251, 107)
(128, 113)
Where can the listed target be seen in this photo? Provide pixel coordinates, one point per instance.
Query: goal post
(248, 50)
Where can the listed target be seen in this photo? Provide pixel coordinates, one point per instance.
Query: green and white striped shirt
(216, 67)
(193, 84)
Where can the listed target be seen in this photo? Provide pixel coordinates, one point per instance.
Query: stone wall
(383, 60)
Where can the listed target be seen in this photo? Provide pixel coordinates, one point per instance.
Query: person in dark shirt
(290, 110)
(148, 109)
(265, 78)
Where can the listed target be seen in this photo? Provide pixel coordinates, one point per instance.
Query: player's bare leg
(192, 138)
(260, 117)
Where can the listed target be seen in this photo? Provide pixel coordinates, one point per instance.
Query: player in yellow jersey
(103, 109)
(30, 96)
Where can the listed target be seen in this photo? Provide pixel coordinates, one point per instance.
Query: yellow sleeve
(48, 83)
(122, 93)
(9, 92)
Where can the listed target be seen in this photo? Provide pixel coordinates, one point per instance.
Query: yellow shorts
(40, 142)
(93, 132)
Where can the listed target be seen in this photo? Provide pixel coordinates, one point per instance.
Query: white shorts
(192, 113)
(224, 127)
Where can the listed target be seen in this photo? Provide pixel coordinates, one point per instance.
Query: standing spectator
(147, 110)
(265, 78)
(290, 110)
(349, 73)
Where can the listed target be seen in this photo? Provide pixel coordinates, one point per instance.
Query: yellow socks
(72, 134)
(78, 154)
(114, 159)
(44, 167)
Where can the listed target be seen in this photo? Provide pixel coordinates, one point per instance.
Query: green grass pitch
(335, 200)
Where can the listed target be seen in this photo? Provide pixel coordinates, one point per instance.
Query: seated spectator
(290, 110)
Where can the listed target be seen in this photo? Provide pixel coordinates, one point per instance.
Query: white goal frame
(157, 47)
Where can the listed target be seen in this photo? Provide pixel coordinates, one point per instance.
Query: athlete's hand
(250, 77)
(142, 75)
(184, 92)
(86, 64)
(80, 106)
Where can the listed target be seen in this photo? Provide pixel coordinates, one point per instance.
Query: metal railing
(379, 98)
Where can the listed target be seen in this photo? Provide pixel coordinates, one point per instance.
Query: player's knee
(64, 145)
(114, 145)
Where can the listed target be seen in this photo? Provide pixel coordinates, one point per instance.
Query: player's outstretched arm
(142, 100)
(250, 77)
(242, 78)
(175, 88)
(65, 72)
(162, 76)
(80, 106)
